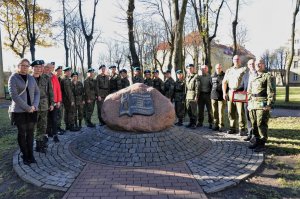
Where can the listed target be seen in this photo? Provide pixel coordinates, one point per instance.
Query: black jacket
(216, 82)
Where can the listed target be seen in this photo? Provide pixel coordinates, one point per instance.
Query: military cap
(74, 73)
(123, 71)
(102, 66)
(37, 62)
(52, 63)
(137, 68)
(167, 71)
(91, 70)
(190, 65)
(67, 68)
(155, 71)
(113, 66)
(147, 71)
(58, 67)
(179, 72)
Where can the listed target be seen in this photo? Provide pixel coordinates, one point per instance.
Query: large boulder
(163, 117)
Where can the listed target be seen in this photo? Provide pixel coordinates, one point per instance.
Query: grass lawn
(294, 97)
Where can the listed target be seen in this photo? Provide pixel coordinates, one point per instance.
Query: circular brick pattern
(139, 150)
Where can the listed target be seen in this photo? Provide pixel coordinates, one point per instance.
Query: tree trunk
(234, 26)
(32, 49)
(88, 52)
(1, 70)
(290, 61)
(65, 35)
(134, 56)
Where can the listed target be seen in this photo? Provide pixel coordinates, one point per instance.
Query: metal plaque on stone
(136, 104)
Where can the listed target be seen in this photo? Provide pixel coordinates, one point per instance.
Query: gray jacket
(15, 86)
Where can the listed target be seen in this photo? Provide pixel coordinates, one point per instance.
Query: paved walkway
(101, 163)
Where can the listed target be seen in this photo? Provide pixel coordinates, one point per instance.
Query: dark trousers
(52, 122)
(25, 123)
(204, 101)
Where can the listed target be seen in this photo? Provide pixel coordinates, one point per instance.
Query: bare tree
(292, 51)
(280, 58)
(65, 33)
(88, 36)
(234, 28)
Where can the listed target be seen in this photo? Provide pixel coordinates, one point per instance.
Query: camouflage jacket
(148, 82)
(66, 90)
(192, 86)
(158, 84)
(169, 88)
(115, 83)
(46, 92)
(102, 85)
(261, 92)
(137, 79)
(179, 91)
(89, 89)
(125, 82)
(78, 92)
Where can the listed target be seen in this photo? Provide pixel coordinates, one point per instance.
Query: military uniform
(115, 83)
(169, 88)
(204, 99)
(90, 96)
(192, 92)
(125, 82)
(179, 99)
(158, 84)
(77, 88)
(261, 94)
(148, 82)
(233, 78)
(68, 100)
(102, 90)
(137, 79)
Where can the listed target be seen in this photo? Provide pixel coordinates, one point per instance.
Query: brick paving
(201, 160)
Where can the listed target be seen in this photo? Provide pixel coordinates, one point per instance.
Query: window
(295, 64)
(298, 52)
(295, 77)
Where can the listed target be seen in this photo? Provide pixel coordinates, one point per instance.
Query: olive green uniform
(78, 92)
(169, 88)
(179, 99)
(137, 79)
(102, 90)
(68, 99)
(148, 81)
(46, 100)
(233, 78)
(90, 96)
(192, 91)
(125, 82)
(115, 83)
(261, 94)
(158, 84)
(204, 99)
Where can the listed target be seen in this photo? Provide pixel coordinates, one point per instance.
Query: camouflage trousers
(99, 108)
(180, 109)
(259, 119)
(236, 113)
(60, 113)
(69, 114)
(78, 112)
(204, 101)
(218, 112)
(191, 107)
(88, 111)
(41, 125)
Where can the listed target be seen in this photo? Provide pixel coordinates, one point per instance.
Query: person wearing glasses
(25, 95)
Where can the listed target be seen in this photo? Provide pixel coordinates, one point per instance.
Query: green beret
(137, 69)
(91, 70)
(123, 71)
(58, 67)
(102, 66)
(155, 71)
(74, 73)
(167, 71)
(147, 71)
(37, 62)
(113, 66)
(67, 68)
(190, 65)
(179, 72)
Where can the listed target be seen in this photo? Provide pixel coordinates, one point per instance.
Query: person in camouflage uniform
(90, 96)
(68, 100)
(58, 73)
(179, 97)
(102, 90)
(114, 80)
(169, 85)
(204, 97)
(124, 79)
(261, 99)
(78, 91)
(192, 95)
(231, 82)
(157, 82)
(46, 103)
(147, 80)
(137, 77)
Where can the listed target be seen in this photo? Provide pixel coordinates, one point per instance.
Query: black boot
(80, 126)
(261, 146)
(76, 124)
(255, 144)
(179, 123)
(40, 147)
(193, 124)
(90, 124)
(73, 128)
(55, 138)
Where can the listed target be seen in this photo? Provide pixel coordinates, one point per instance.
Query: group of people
(40, 99)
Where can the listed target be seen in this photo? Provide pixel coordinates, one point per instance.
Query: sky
(268, 23)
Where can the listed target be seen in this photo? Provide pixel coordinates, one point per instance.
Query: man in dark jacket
(217, 101)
